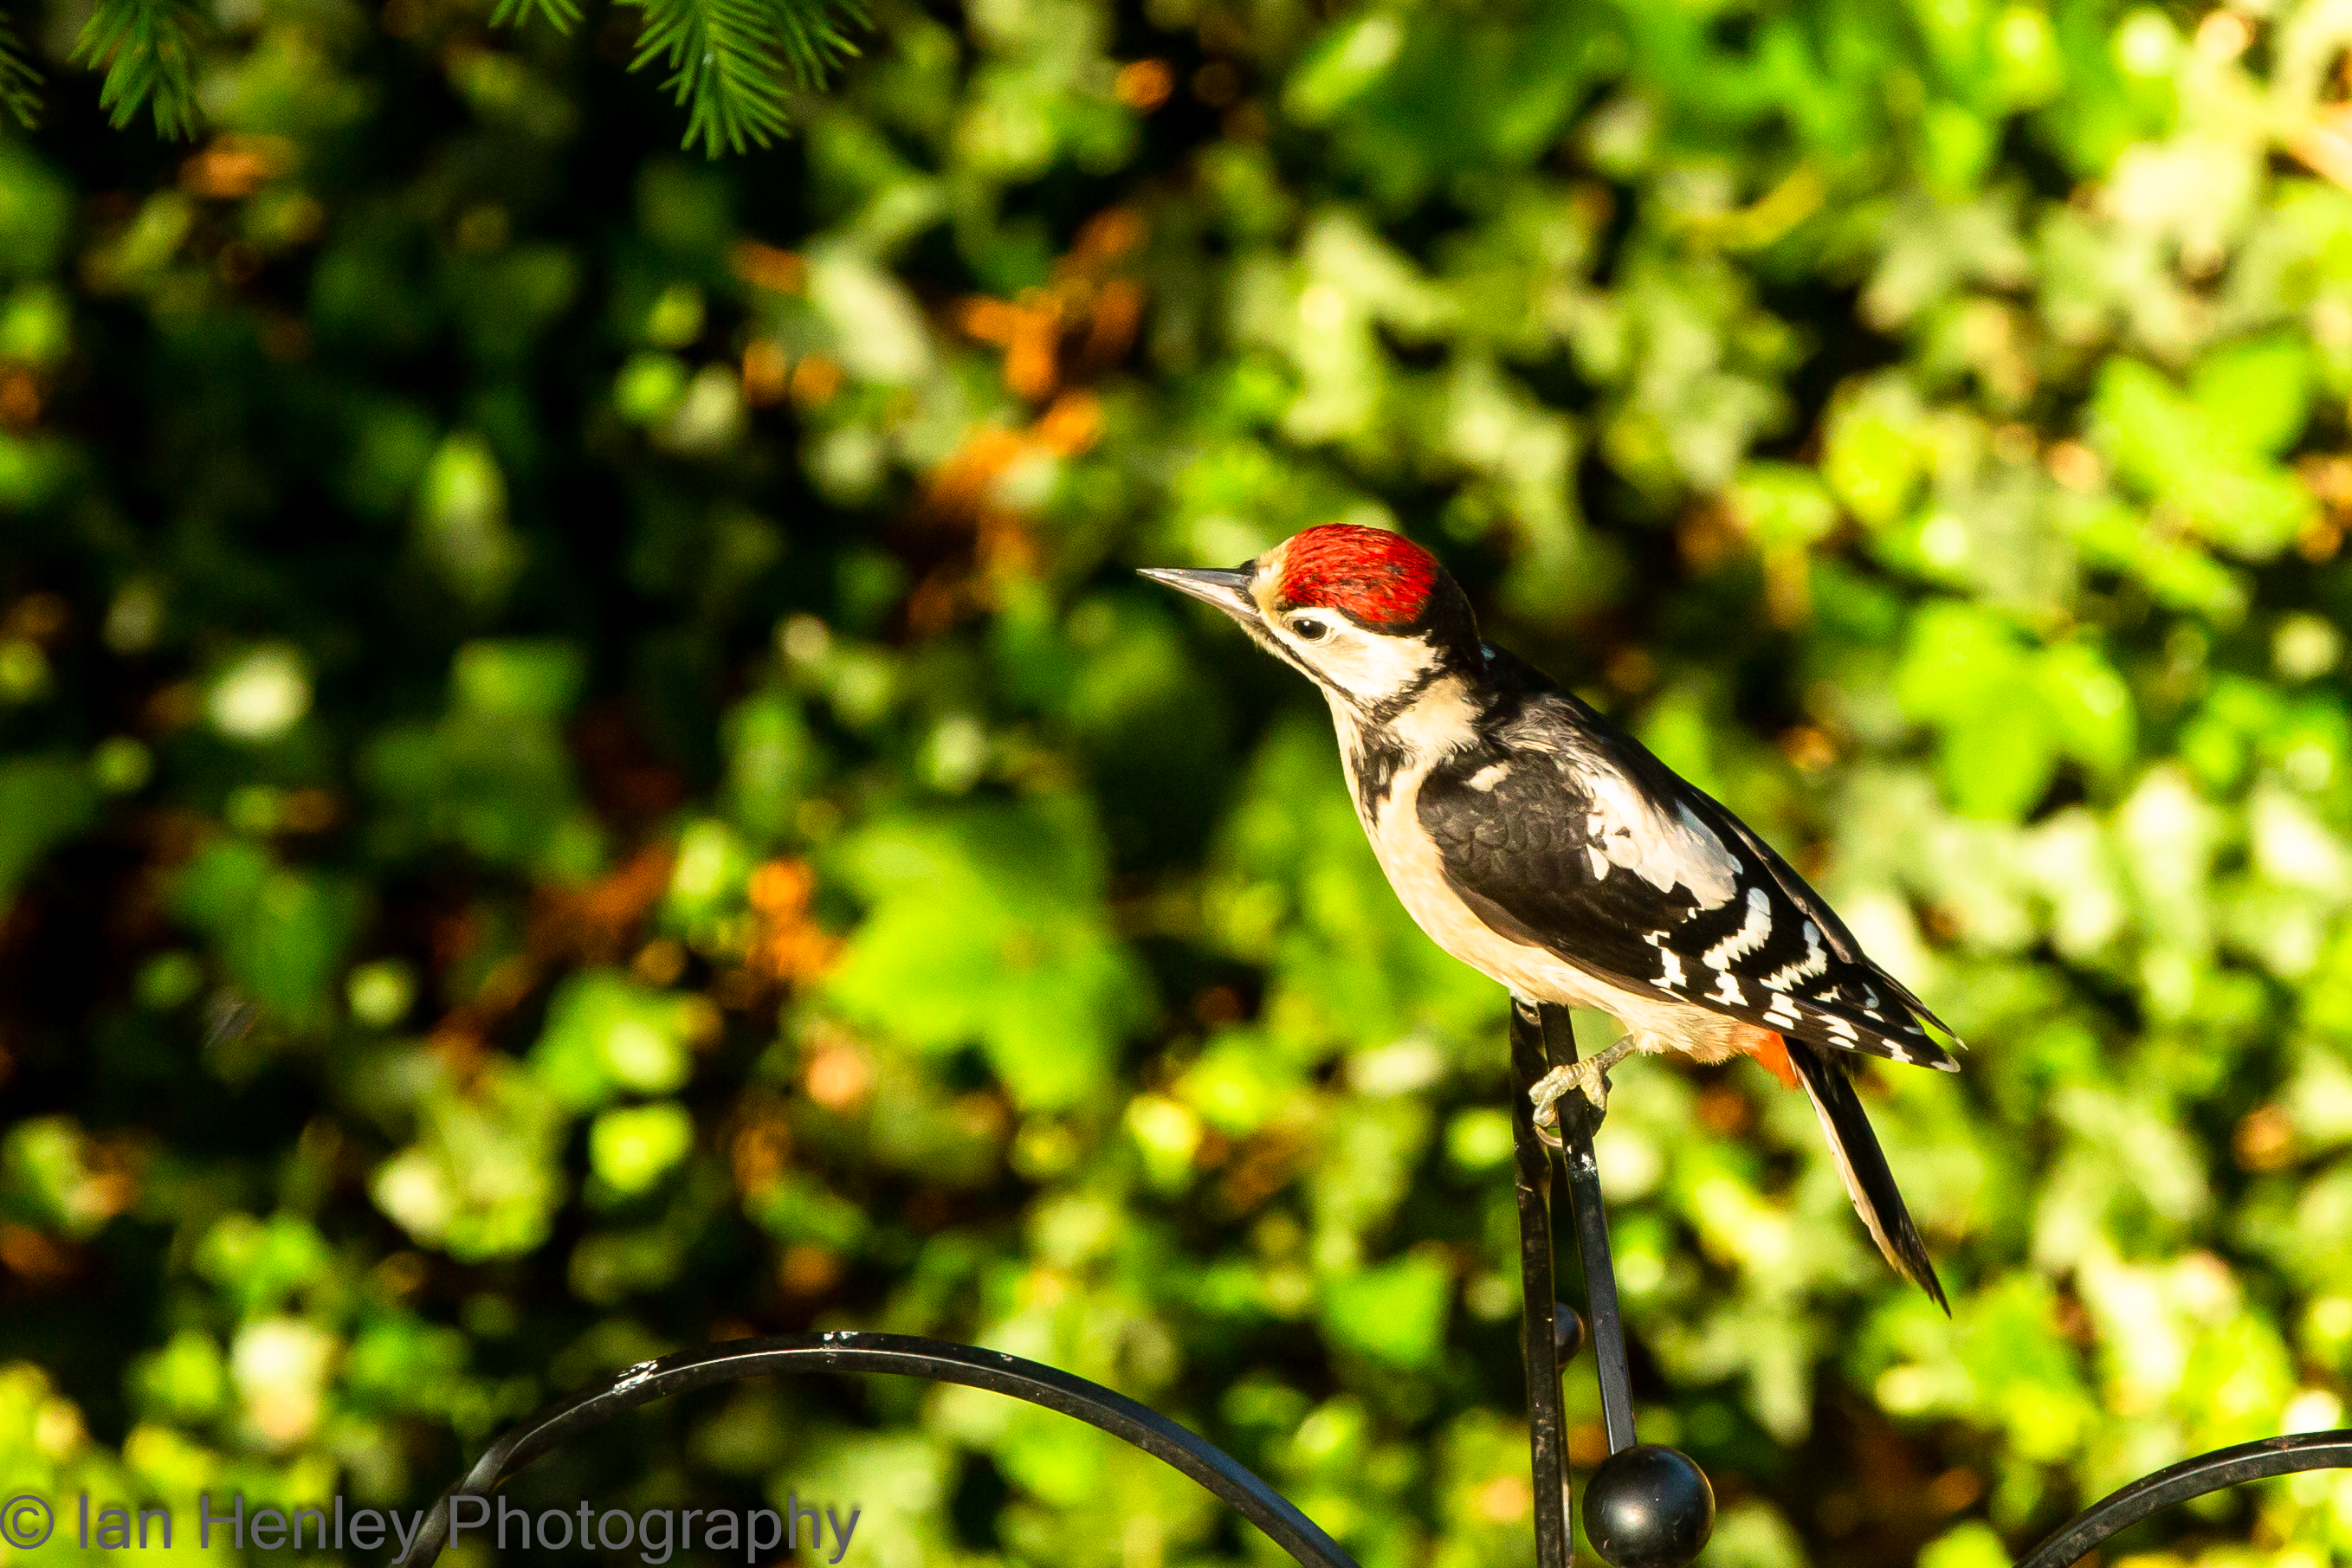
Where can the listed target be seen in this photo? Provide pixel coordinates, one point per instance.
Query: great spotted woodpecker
(1547, 849)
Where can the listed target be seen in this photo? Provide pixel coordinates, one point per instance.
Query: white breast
(1410, 857)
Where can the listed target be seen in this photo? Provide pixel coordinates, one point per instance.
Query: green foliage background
(583, 771)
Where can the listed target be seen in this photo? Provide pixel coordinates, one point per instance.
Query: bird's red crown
(1379, 578)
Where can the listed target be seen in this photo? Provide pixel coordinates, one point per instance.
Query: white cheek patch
(1369, 668)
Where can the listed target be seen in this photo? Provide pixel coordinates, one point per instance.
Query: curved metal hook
(908, 1356)
(2190, 1478)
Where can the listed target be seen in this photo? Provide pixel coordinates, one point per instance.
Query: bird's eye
(1306, 629)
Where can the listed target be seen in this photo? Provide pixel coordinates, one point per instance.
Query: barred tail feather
(1864, 1165)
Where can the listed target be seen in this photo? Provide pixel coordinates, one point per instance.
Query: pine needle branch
(20, 84)
(561, 15)
(813, 36)
(149, 50)
(732, 63)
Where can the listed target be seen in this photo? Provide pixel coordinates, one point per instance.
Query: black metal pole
(1547, 1421)
(1578, 1120)
(1647, 1506)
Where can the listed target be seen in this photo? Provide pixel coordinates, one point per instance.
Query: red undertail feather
(1770, 1053)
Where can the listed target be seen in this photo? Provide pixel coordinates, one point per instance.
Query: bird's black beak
(1228, 590)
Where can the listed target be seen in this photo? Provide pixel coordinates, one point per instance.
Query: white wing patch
(1815, 961)
(1753, 933)
(1487, 778)
(1634, 832)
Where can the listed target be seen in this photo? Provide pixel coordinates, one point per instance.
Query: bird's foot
(1589, 1077)
(1585, 1077)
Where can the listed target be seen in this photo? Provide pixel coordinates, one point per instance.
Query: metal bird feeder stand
(1647, 1506)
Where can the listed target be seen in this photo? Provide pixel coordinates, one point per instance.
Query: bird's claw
(1590, 1078)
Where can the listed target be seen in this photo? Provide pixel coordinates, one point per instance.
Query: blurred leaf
(493, 774)
(1395, 1313)
(46, 1177)
(1783, 506)
(632, 1149)
(772, 761)
(482, 1181)
(605, 1036)
(281, 932)
(43, 800)
(2258, 393)
(2213, 468)
(261, 1263)
(517, 680)
(1344, 62)
(35, 208)
(986, 926)
(462, 521)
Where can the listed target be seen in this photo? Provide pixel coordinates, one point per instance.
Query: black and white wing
(1565, 833)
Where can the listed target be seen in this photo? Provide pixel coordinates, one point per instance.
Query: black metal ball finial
(1648, 1507)
(1567, 1332)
